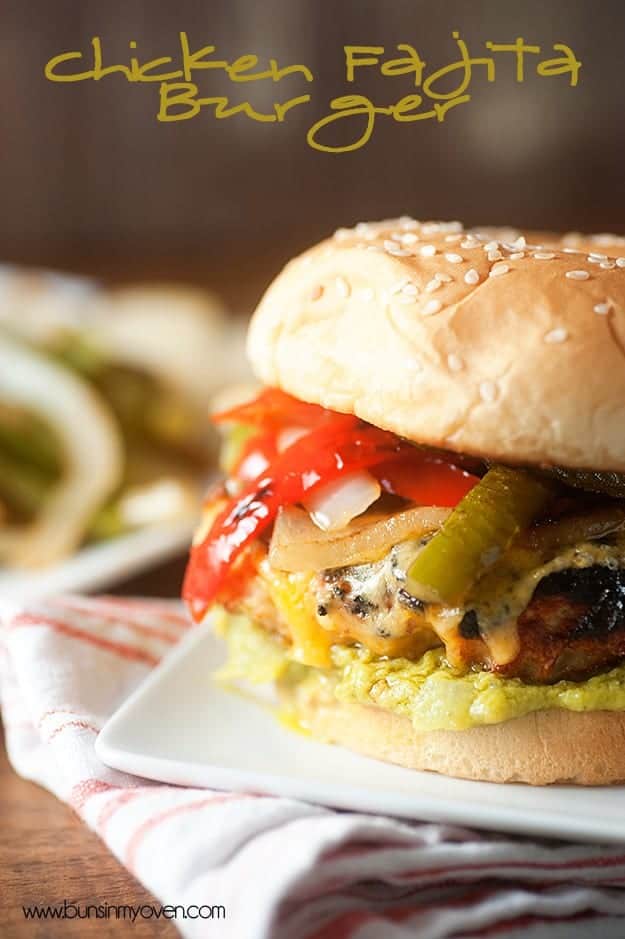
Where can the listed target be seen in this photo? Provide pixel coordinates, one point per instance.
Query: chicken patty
(572, 627)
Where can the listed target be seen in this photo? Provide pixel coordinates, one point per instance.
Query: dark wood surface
(48, 855)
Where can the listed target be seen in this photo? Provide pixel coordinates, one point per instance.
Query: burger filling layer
(417, 580)
(428, 691)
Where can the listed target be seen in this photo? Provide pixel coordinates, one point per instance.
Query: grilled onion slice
(297, 544)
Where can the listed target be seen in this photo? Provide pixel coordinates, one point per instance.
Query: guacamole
(428, 691)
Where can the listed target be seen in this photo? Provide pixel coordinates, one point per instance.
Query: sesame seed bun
(495, 348)
(541, 748)
(601, 244)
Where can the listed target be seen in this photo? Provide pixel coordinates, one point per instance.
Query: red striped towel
(281, 868)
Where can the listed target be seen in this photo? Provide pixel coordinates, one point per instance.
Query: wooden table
(47, 854)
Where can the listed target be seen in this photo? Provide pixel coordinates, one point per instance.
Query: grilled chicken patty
(573, 625)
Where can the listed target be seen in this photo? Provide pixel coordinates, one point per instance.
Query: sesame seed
(498, 270)
(491, 246)
(433, 285)
(454, 258)
(571, 251)
(396, 236)
(603, 308)
(607, 239)
(452, 238)
(316, 292)
(471, 276)
(444, 278)
(592, 260)
(391, 247)
(341, 234)
(342, 287)
(607, 265)
(407, 222)
(557, 335)
(469, 242)
(427, 251)
(520, 242)
(577, 275)
(455, 363)
(494, 255)
(543, 255)
(620, 262)
(409, 238)
(362, 229)
(516, 255)
(488, 391)
(431, 307)
(409, 289)
(595, 256)
(399, 285)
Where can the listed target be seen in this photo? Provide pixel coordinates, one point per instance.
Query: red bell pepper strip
(272, 409)
(425, 479)
(326, 453)
(336, 444)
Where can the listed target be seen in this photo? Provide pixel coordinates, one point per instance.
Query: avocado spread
(428, 691)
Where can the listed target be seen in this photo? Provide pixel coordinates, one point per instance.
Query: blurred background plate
(98, 566)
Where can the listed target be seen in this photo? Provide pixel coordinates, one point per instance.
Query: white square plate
(182, 727)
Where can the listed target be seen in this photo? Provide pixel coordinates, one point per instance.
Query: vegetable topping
(268, 475)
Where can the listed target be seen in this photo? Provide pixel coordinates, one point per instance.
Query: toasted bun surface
(454, 342)
(542, 748)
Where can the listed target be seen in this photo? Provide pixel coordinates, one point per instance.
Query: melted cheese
(294, 601)
(497, 609)
(502, 642)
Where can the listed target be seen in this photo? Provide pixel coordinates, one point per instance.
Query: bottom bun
(541, 748)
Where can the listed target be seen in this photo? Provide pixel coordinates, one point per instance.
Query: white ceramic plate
(181, 727)
(99, 565)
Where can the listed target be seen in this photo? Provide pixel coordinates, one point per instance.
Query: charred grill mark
(574, 626)
(469, 627)
(601, 590)
(412, 603)
(361, 606)
(254, 502)
(339, 586)
(341, 590)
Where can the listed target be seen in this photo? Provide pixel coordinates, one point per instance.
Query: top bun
(502, 349)
(600, 245)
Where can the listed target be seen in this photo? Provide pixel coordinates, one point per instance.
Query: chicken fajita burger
(420, 539)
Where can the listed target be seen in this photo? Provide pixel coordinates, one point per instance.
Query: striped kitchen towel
(281, 869)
